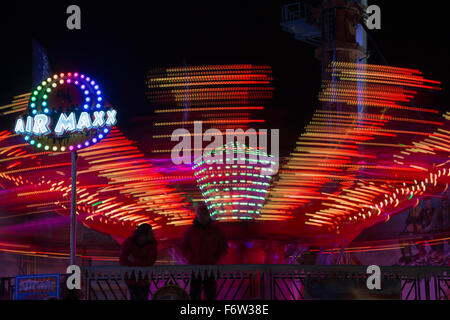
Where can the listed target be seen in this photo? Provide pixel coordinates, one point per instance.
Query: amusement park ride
(369, 152)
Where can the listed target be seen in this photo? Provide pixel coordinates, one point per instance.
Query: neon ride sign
(66, 112)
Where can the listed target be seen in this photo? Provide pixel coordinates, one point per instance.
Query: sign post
(66, 113)
(73, 209)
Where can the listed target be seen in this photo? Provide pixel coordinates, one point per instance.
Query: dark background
(120, 40)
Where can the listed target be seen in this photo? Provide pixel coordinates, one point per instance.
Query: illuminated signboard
(37, 287)
(66, 112)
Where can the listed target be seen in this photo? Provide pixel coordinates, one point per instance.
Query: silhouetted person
(204, 243)
(139, 250)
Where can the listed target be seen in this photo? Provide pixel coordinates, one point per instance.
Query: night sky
(120, 40)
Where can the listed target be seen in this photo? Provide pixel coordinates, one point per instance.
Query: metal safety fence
(277, 282)
(268, 282)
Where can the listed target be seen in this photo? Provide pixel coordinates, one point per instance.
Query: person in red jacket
(139, 250)
(204, 243)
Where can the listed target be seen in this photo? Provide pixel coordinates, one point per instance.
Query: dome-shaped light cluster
(92, 100)
(236, 187)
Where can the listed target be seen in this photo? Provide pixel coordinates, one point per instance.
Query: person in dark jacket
(204, 243)
(139, 250)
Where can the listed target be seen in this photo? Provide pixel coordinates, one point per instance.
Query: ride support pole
(73, 209)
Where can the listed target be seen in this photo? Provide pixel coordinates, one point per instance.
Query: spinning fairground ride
(372, 149)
